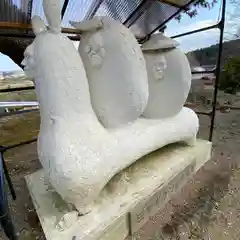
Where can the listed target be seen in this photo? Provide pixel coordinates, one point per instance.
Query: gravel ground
(208, 207)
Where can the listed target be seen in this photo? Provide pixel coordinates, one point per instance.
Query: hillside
(208, 56)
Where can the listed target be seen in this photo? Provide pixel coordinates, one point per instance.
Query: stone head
(29, 62)
(115, 69)
(154, 52)
(52, 12)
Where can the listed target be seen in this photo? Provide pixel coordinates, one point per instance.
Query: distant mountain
(208, 56)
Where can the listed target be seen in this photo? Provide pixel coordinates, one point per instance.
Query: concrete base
(127, 202)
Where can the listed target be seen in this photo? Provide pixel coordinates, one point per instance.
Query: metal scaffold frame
(5, 218)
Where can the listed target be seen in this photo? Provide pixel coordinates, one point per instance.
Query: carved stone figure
(78, 154)
(169, 77)
(115, 69)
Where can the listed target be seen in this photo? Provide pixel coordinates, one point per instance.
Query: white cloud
(197, 40)
(196, 25)
(210, 37)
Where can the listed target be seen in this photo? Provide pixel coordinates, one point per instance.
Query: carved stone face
(95, 50)
(159, 67)
(29, 62)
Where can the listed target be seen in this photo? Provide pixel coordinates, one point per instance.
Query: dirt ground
(208, 207)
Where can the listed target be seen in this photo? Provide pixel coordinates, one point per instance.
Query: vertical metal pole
(167, 20)
(10, 185)
(29, 11)
(9, 181)
(5, 219)
(137, 13)
(64, 8)
(93, 9)
(218, 69)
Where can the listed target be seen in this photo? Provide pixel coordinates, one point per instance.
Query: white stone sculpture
(115, 69)
(169, 77)
(78, 154)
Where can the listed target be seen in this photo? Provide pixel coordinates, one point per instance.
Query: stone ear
(38, 25)
(88, 25)
(52, 10)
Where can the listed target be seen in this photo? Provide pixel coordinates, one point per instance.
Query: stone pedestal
(130, 199)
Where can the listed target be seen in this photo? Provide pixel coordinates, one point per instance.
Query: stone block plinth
(129, 200)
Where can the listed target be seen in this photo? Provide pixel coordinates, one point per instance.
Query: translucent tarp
(153, 12)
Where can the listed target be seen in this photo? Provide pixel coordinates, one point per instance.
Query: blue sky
(204, 18)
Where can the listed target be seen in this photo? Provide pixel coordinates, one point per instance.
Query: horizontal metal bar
(203, 72)
(31, 35)
(15, 104)
(204, 113)
(16, 83)
(7, 114)
(16, 26)
(28, 27)
(230, 107)
(196, 31)
(6, 148)
(167, 20)
(16, 89)
(17, 35)
(170, 3)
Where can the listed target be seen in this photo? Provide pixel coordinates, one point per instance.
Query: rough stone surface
(78, 154)
(123, 196)
(212, 193)
(169, 77)
(143, 211)
(116, 71)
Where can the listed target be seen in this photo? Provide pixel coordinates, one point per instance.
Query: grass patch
(20, 128)
(27, 95)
